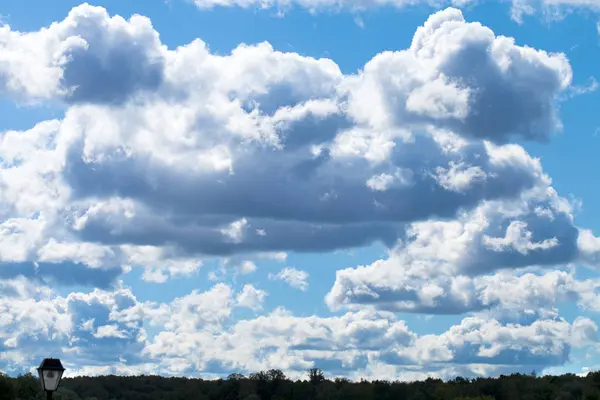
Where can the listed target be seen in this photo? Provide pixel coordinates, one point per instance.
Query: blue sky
(381, 191)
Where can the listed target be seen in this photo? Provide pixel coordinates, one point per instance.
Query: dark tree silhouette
(274, 385)
(315, 375)
(7, 391)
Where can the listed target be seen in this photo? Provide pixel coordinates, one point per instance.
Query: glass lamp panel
(51, 379)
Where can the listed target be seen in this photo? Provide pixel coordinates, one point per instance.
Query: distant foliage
(274, 385)
(315, 375)
(7, 391)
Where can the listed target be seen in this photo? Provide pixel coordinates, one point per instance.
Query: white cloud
(293, 277)
(345, 160)
(459, 177)
(235, 230)
(168, 157)
(518, 238)
(247, 267)
(18, 237)
(476, 340)
(85, 253)
(196, 335)
(107, 331)
(384, 181)
(435, 55)
(550, 9)
(159, 262)
(585, 331)
(388, 285)
(443, 266)
(320, 5)
(196, 310)
(81, 58)
(116, 369)
(239, 265)
(32, 315)
(251, 297)
(88, 325)
(589, 247)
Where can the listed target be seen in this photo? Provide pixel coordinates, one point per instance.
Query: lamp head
(50, 372)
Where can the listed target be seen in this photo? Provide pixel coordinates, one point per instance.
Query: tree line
(274, 385)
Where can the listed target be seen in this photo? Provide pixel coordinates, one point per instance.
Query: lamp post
(50, 372)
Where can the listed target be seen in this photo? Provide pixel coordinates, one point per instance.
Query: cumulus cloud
(79, 324)
(116, 175)
(105, 327)
(508, 297)
(461, 76)
(173, 175)
(477, 341)
(168, 157)
(251, 297)
(498, 256)
(292, 276)
(589, 248)
(159, 263)
(247, 267)
(87, 57)
(110, 331)
(198, 336)
(445, 267)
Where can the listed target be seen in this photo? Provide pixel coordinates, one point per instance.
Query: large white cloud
(266, 151)
(447, 266)
(104, 327)
(197, 335)
(506, 296)
(461, 76)
(165, 157)
(88, 57)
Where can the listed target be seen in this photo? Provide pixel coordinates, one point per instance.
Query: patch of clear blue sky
(570, 158)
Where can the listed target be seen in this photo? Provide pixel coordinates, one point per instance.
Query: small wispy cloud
(294, 277)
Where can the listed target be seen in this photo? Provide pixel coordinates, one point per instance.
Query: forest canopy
(274, 385)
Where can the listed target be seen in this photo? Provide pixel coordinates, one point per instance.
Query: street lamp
(50, 372)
